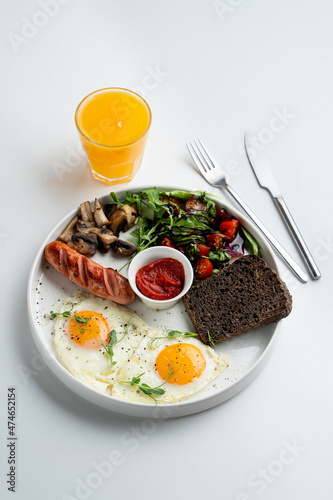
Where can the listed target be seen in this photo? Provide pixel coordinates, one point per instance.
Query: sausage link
(100, 281)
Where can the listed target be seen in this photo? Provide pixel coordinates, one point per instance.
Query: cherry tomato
(195, 205)
(166, 242)
(215, 241)
(203, 249)
(203, 268)
(229, 228)
(173, 202)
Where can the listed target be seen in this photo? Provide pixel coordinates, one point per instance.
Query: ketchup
(161, 280)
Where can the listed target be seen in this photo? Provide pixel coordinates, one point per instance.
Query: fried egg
(179, 366)
(82, 332)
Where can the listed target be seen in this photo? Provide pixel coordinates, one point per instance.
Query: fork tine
(196, 158)
(208, 157)
(196, 146)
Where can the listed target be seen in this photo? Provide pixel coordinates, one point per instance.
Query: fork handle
(278, 247)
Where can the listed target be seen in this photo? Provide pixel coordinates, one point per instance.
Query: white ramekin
(152, 254)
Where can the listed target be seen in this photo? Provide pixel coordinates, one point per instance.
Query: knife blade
(266, 180)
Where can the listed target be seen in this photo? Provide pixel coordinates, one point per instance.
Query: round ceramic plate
(247, 353)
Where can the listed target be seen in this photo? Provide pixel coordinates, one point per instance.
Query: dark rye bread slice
(242, 296)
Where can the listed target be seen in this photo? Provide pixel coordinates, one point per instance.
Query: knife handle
(291, 224)
(278, 247)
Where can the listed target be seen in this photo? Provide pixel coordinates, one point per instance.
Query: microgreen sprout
(210, 340)
(68, 314)
(146, 389)
(171, 334)
(112, 341)
(108, 349)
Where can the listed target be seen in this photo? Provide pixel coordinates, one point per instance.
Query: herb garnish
(170, 334)
(68, 314)
(146, 389)
(210, 340)
(108, 349)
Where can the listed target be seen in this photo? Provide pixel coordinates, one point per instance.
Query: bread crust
(242, 296)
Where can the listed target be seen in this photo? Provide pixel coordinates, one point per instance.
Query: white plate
(248, 352)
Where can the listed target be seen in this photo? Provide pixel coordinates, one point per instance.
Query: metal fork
(214, 176)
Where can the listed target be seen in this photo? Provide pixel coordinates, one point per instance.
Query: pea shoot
(68, 314)
(112, 341)
(108, 349)
(171, 334)
(146, 389)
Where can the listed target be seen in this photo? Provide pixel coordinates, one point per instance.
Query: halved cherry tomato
(173, 202)
(203, 268)
(195, 205)
(215, 241)
(166, 242)
(203, 249)
(229, 228)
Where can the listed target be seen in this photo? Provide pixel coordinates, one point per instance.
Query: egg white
(143, 362)
(92, 366)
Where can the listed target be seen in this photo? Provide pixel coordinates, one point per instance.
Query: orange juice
(113, 126)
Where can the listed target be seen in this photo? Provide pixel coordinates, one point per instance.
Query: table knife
(267, 181)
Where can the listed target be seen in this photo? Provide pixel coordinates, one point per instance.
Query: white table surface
(212, 70)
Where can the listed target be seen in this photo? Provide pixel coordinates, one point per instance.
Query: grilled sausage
(100, 281)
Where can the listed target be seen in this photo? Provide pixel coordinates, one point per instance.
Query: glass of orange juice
(113, 125)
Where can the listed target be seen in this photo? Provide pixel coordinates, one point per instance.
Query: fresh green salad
(190, 222)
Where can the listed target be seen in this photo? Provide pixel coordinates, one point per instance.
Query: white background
(212, 70)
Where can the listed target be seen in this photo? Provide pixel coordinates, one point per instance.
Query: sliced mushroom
(123, 247)
(84, 226)
(69, 231)
(86, 244)
(105, 238)
(99, 215)
(109, 209)
(131, 213)
(117, 221)
(86, 213)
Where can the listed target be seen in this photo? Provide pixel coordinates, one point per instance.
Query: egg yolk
(91, 332)
(180, 363)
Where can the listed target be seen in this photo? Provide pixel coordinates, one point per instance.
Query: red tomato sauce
(161, 280)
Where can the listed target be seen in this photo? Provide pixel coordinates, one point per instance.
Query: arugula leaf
(186, 195)
(185, 229)
(218, 255)
(145, 233)
(153, 196)
(115, 199)
(182, 195)
(251, 244)
(191, 221)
